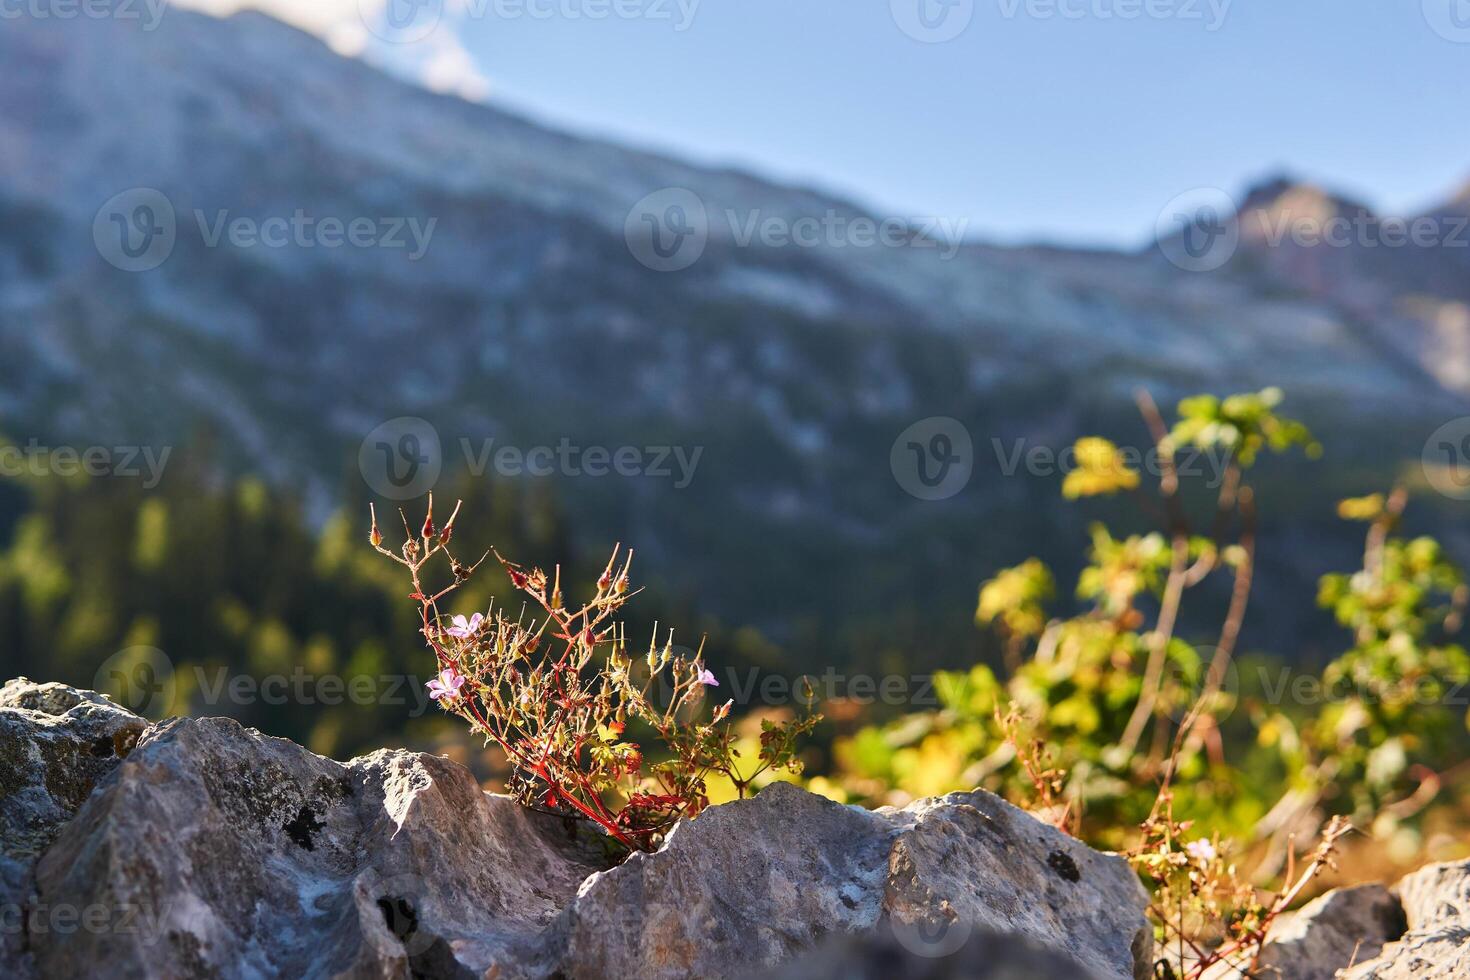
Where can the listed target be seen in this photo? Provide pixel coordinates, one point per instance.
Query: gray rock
(889, 955)
(1436, 903)
(212, 850)
(55, 744)
(1330, 933)
(750, 884)
(216, 851)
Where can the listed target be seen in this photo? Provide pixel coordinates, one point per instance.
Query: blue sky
(1029, 124)
(1056, 120)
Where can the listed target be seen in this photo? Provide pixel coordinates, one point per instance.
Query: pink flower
(465, 628)
(1200, 849)
(707, 677)
(446, 685)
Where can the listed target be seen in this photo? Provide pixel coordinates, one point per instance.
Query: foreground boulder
(1436, 946)
(240, 855)
(750, 884)
(890, 955)
(212, 850)
(1330, 933)
(55, 744)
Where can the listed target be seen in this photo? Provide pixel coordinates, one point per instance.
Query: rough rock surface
(212, 850)
(1330, 933)
(55, 744)
(241, 855)
(890, 955)
(749, 884)
(1436, 903)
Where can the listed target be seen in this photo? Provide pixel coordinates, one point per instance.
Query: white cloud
(451, 69)
(439, 61)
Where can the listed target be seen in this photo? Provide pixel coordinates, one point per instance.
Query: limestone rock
(889, 955)
(1436, 903)
(212, 850)
(216, 851)
(749, 884)
(56, 742)
(1341, 928)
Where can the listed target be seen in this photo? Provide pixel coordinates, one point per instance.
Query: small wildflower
(707, 677)
(465, 628)
(446, 686)
(1201, 850)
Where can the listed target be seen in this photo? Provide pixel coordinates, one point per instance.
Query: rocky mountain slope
(514, 306)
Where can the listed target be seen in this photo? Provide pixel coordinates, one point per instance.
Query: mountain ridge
(529, 319)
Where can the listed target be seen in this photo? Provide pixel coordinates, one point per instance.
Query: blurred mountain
(528, 319)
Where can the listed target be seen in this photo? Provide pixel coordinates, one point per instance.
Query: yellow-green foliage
(1124, 705)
